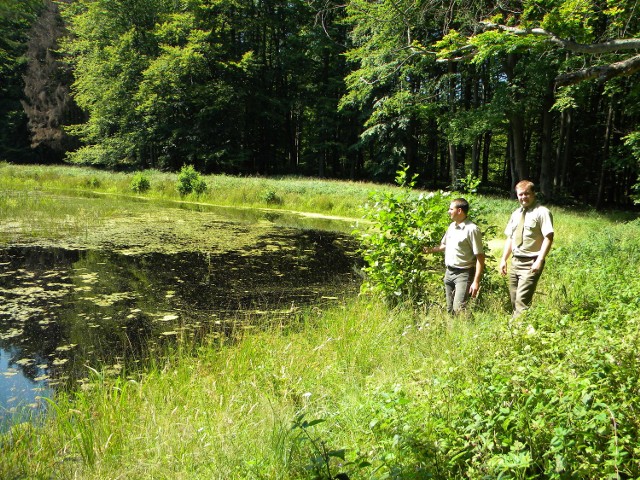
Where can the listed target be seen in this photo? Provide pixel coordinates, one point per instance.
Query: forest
(499, 91)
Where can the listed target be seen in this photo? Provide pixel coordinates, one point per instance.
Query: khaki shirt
(462, 243)
(538, 223)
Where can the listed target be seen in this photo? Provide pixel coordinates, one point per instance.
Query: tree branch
(601, 72)
(604, 47)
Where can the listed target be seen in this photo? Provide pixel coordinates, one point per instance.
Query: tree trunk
(475, 156)
(516, 119)
(486, 148)
(546, 180)
(605, 156)
(520, 167)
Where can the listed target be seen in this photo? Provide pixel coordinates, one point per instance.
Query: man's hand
(537, 266)
(503, 267)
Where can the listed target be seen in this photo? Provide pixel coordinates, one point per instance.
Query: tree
(47, 80)
(15, 21)
(225, 85)
(505, 74)
(570, 34)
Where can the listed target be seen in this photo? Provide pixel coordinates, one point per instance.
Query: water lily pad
(65, 348)
(25, 361)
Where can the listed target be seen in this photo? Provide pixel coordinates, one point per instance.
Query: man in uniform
(463, 256)
(529, 238)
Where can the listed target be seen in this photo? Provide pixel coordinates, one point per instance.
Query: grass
(338, 198)
(386, 383)
(226, 412)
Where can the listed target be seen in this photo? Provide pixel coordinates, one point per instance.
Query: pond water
(66, 309)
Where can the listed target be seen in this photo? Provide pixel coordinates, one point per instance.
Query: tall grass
(415, 393)
(339, 198)
(227, 411)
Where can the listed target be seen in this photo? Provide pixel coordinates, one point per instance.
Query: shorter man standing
(529, 237)
(463, 256)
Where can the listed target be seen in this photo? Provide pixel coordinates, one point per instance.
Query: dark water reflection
(65, 310)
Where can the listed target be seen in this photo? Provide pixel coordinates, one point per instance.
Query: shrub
(190, 181)
(140, 182)
(270, 197)
(403, 223)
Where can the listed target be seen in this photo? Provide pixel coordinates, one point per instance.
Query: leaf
(337, 454)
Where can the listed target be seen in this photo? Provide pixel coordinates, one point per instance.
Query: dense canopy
(539, 89)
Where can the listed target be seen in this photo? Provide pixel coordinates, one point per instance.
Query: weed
(140, 182)
(322, 459)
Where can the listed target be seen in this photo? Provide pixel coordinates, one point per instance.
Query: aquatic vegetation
(136, 278)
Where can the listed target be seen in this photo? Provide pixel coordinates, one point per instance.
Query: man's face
(526, 197)
(455, 213)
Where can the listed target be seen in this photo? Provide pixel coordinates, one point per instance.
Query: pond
(102, 299)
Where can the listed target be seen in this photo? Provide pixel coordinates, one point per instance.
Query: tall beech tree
(226, 85)
(533, 78)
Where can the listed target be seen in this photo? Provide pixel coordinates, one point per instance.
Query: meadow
(361, 389)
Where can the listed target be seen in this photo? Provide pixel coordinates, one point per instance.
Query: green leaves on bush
(140, 182)
(190, 181)
(403, 223)
(270, 197)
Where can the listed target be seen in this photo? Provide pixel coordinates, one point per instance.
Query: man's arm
(544, 250)
(439, 248)
(474, 289)
(506, 252)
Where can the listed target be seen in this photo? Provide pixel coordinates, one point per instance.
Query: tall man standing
(529, 238)
(463, 255)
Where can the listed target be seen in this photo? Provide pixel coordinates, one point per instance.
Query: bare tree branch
(601, 72)
(604, 47)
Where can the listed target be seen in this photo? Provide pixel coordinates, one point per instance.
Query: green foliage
(322, 461)
(270, 197)
(469, 184)
(632, 141)
(140, 182)
(190, 181)
(558, 398)
(403, 224)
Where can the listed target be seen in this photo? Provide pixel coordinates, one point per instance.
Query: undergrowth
(364, 390)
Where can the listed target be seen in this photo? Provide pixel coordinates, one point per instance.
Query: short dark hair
(462, 204)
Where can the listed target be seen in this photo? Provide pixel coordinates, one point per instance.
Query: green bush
(140, 182)
(270, 197)
(190, 181)
(402, 224)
